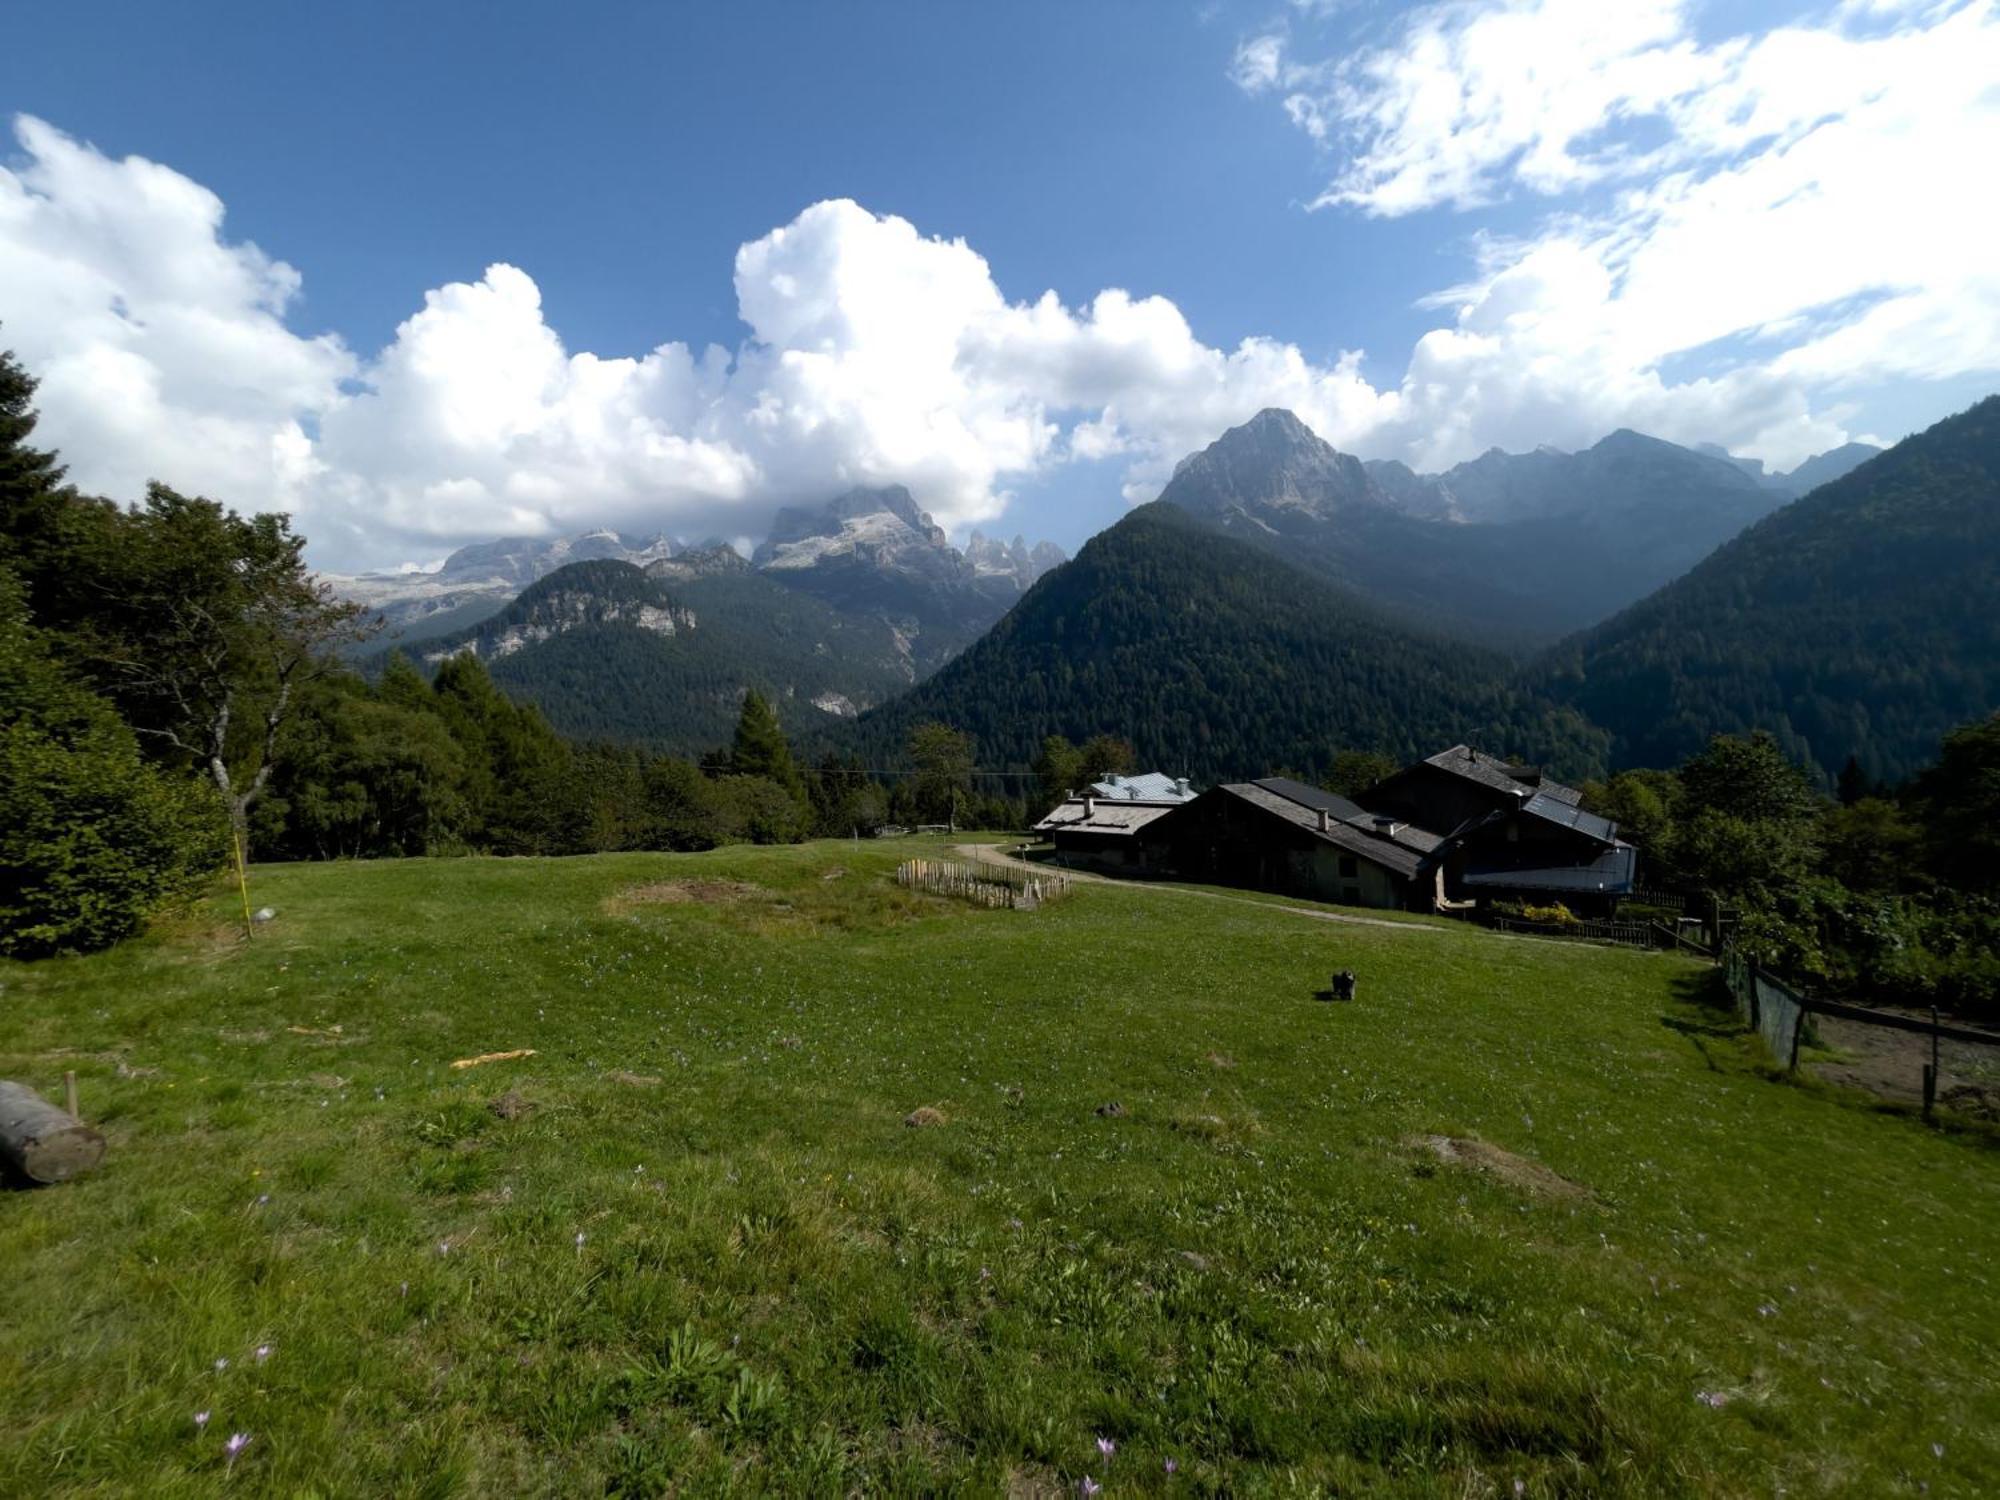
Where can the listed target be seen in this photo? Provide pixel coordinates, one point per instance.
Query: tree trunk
(41, 1142)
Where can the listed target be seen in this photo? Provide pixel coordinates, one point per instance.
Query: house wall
(1114, 853)
(1223, 840)
(1352, 881)
(1527, 843)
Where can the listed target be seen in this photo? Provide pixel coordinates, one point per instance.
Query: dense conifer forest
(1862, 621)
(581, 653)
(1216, 659)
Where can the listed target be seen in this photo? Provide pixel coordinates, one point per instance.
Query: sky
(426, 275)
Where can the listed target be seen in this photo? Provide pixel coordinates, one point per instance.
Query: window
(1348, 868)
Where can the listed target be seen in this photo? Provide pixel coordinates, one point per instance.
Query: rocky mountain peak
(874, 522)
(992, 558)
(714, 560)
(597, 591)
(1271, 463)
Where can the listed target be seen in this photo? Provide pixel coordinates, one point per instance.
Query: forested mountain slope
(1863, 619)
(1217, 660)
(662, 659)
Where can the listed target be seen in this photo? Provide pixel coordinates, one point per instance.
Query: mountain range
(1216, 658)
(1282, 601)
(1510, 549)
(1863, 619)
(649, 642)
(871, 551)
(660, 655)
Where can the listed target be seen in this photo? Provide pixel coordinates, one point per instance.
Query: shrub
(92, 838)
(1556, 912)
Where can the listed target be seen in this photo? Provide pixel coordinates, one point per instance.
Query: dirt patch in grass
(1890, 1065)
(686, 892)
(1495, 1161)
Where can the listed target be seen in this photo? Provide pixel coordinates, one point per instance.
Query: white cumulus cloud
(1801, 200)
(1737, 232)
(875, 355)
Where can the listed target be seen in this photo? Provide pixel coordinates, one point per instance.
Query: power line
(907, 771)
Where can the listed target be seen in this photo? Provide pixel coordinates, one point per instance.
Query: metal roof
(1375, 825)
(1108, 815)
(1313, 797)
(1554, 810)
(1609, 874)
(1152, 786)
(1398, 858)
(1500, 775)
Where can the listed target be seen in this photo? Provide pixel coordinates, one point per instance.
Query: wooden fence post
(1931, 1069)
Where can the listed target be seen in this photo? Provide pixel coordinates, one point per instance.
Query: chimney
(1181, 785)
(1325, 821)
(1089, 808)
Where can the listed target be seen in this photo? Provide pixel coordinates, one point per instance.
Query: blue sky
(620, 155)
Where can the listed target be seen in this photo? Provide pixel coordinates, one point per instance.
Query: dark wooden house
(1541, 851)
(1451, 789)
(1281, 835)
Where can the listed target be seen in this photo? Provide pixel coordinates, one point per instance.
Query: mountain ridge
(1862, 618)
(1216, 658)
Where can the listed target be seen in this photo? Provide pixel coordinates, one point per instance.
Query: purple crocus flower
(1087, 1486)
(1106, 1446)
(221, 1364)
(238, 1441)
(200, 1420)
(1173, 1466)
(263, 1353)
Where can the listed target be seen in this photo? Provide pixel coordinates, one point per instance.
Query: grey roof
(1151, 786)
(1077, 815)
(1352, 813)
(1314, 797)
(1500, 775)
(1554, 810)
(1609, 874)
(1398, 858)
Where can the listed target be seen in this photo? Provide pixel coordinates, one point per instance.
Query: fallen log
(41, 1142)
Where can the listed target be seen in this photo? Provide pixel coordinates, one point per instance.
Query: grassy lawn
(700, 1251)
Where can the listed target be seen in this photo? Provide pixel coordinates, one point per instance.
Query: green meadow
(1167, 1203)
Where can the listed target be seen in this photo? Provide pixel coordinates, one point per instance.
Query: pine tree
(41, 518)
(760, 747)
(31, 480)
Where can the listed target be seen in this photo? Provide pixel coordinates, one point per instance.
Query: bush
(1556, 913)
(92, 839)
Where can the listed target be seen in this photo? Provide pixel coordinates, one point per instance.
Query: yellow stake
(242, 880)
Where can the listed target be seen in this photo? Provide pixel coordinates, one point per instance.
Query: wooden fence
(1670, 937)
(984, 885)
(1627, 934)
